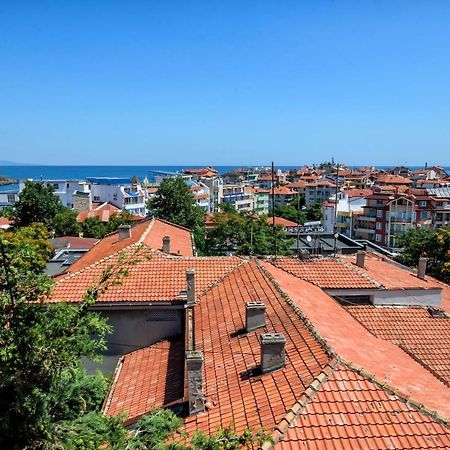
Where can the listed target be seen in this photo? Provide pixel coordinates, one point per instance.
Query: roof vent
(436, 312)
(360, 258)
(124, 232)
(421, 270)
(190, 280)
(166, 244)
(255, 315)
(272, 352)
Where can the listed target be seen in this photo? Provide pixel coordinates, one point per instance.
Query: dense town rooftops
(393, 179)
(341, 385)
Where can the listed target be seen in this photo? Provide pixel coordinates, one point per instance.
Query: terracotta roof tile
(327, 273)
(390, 274)
(149, 232)
(136, 391)
(161, 278)
(351, 412)
(354, 343)
(424, 337)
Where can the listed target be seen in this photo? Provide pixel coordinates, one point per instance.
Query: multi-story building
(201, 195)
(320, 190)
(239, 196)
(8, 197)
(350, 206)
(441, 207)
(262, 201)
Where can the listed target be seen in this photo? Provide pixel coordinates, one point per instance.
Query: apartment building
(350, 206)
(239, 196)
(320, 190)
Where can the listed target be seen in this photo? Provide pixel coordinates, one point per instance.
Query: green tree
(93, 227)
(243, 233)
(314, 211)
(175, 203)
(432, 244)
(65, 223)
(37, 203)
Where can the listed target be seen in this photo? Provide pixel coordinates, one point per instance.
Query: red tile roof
(282, 222)
(104, 211)
(136, 391)
(73, 242)
(393, 179)
(351, 412)
(354, 343)
(414, 330)
(232, 393)
(390, 274)
(160, 278)
(5, 222)
(148, 232)
(358, 192)
(327, 273)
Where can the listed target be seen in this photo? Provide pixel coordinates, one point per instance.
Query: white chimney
(124, 232)
(272, 351)
(166, 244)
(421, 270)
(190, 280)
(360, 258)
(255, 315)
(194, 368)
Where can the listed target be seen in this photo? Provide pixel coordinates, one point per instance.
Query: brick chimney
(166, 244)
(255, 315)
(190, 280)
(272, 352)
(124, 232)
(360, 258)
(421, 270)
(194, 368)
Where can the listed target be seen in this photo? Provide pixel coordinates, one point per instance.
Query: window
(378, 225)
(96, 198)
(379, 213)
(423, 203)
(11, 198)
(378, 238)
(423, 215)
(55, 185)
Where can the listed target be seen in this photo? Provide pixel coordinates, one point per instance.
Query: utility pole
(273, 213)
(298, 225)
(336, 210)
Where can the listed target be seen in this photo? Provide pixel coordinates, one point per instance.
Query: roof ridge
(147, 231)
(171, 223)
(403, 396)
(305, 398)
(361, 274)
(308, 324)
(222, 277)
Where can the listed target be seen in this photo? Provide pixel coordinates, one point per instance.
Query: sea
(21, 172)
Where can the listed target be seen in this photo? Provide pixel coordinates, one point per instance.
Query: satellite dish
(336, 235)
(309, 238)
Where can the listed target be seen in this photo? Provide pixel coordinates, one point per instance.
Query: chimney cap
(255, 304)
(166, 238)
(194, 355)
(124, 227)
(273, 338)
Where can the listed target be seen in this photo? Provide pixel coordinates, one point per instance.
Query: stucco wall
(134, 329)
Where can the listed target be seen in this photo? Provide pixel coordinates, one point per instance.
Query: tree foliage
(432, 244)
(65, 223)
(175, 203)
(244, 233)
(94, 227)
(37, 203)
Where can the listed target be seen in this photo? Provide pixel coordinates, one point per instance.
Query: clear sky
(224, 82)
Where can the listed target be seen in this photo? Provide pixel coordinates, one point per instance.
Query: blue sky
(224, 83)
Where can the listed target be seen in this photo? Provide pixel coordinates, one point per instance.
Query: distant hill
(13, 163)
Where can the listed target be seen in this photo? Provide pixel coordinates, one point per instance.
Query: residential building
(320, 190)
(239, 196)
(441, 207)
(350, 205)
(282, 196)
(8, 197)
(201, 195)
(262, 201)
